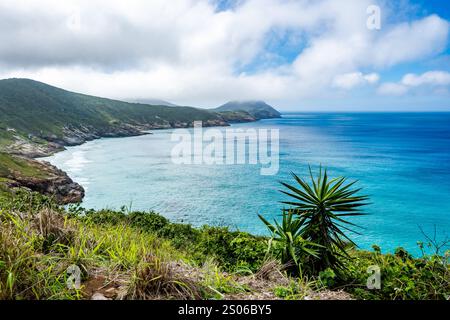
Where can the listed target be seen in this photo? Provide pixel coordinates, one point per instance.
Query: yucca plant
(322, 206)
(287, 242)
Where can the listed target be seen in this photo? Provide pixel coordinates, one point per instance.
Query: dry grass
(26, 271)
(53, 227)
(156, 278)
(271, 270)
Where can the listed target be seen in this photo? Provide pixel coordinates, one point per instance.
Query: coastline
(58, 183)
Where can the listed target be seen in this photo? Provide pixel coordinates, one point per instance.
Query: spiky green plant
(322, 207)
(287, 242)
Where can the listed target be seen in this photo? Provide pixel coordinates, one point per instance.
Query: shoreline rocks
(51, 181)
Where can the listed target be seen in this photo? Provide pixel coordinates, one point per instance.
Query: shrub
(147, 221)
(287, 243)
(104, 217)
(322, 207)
(181, 235)
(402, 277)
(327, 278)
(232, 250)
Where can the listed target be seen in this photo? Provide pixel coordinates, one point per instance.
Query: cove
(401, 160)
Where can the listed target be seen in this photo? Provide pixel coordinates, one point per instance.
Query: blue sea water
(402, 161)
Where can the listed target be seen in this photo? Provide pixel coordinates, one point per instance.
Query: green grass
(6, 138)
(10, 163)
(39, 241)
(151, 257)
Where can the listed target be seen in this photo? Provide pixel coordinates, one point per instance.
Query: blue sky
(294, 54)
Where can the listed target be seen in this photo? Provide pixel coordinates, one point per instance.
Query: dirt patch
(98, 284)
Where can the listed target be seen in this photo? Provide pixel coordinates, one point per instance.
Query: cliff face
(42, 177)
(47, 145)
(237, 116)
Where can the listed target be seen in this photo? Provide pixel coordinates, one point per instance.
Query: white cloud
(434, 80)
(372, 78)
(392, 89)
(350, 80)
(410, 41)
(188, 52)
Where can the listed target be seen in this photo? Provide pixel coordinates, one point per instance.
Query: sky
(297, 55)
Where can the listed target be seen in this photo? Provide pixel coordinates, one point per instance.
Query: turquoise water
(401, 160)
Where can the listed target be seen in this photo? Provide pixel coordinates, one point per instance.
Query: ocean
(401, 160)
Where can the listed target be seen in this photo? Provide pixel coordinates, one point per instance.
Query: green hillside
(257, 109)
(37, 109)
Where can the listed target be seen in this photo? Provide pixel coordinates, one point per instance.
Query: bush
(327, 278)
(181, 235)
(104, 217)
(402, 277)
(147, 221)
(232, 250)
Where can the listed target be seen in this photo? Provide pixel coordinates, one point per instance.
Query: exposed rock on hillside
(44, 178)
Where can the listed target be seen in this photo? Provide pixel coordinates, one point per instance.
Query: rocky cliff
(39, 176)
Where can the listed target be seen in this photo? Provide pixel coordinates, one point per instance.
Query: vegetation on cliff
(257, 109)
(36, 111)
(142, 255)
(48, 117)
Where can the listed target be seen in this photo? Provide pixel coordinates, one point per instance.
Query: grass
(10, 163)
(36, 250)
(39, 243)
(139, 255)
(11, 166)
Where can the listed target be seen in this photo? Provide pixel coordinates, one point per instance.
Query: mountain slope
(257, 109)
(35, 109)
(153, 102)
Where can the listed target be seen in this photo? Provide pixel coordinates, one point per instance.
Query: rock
(50, 181)
(99, 296)
(31, 149)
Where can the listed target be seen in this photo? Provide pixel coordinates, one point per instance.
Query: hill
(257, 109)
(153, 102)
(36, 111)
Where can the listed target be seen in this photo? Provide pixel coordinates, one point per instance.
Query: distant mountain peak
(256, 108)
